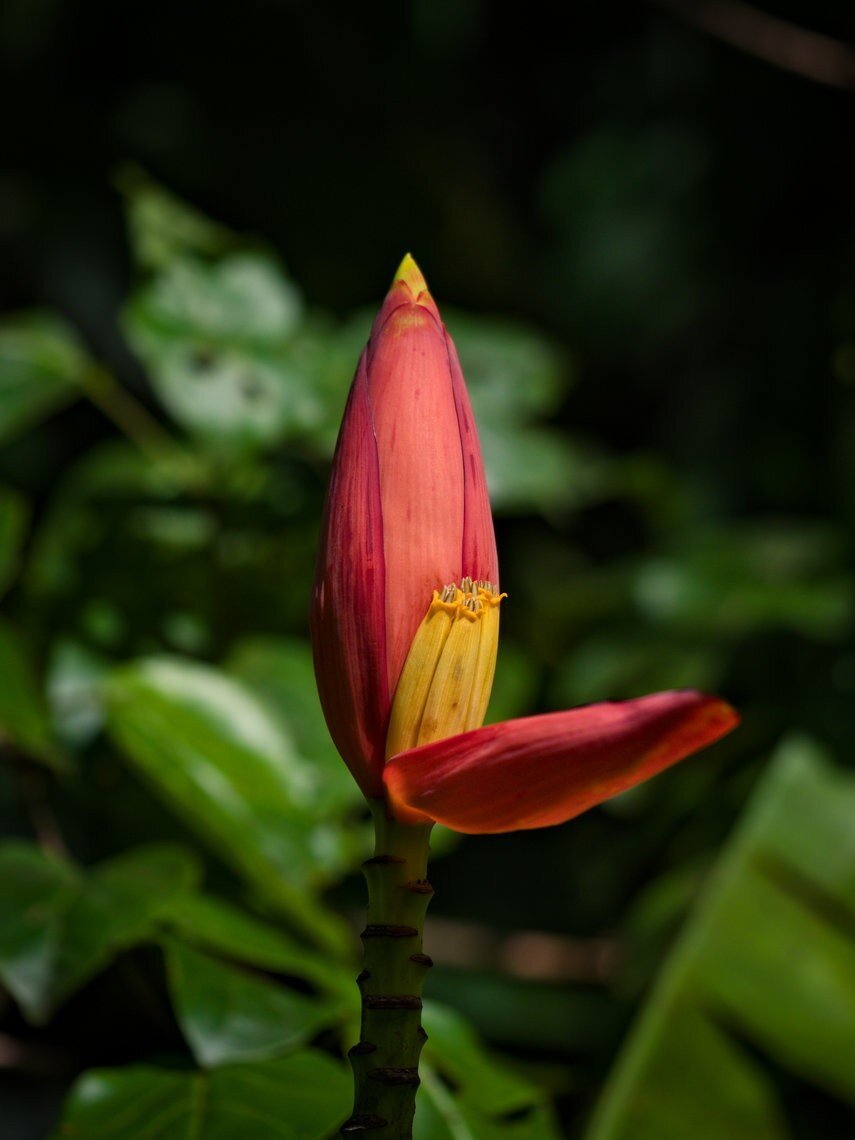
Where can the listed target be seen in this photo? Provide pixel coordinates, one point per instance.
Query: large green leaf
(229, 1014)
(213, 924)
(765, 967)
(454, 1050)
(42, 365)
(210, 748)
(301, 1097)
(24, 718)
(281, 674)
(223, 348)
(60, 926)
(442, 1115)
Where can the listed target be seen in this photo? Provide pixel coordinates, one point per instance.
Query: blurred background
(639, 227)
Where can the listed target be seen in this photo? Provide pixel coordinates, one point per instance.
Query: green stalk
(386, 1059)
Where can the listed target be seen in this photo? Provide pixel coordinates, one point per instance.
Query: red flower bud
(407, 513)
(405, 614)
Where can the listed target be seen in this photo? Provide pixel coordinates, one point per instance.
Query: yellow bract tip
(411, 275)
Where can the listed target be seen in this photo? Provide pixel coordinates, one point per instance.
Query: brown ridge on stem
(391, 1001)
(388, 930)
(363, 1123)
(396, 1076)
(419, 887)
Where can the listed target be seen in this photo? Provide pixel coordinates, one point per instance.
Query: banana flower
(405, 627)
(405, 614)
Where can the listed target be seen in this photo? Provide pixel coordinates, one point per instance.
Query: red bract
(542, 770)
(407, 512)
(405, 614)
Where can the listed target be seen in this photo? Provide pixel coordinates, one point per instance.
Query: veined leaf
(59, 926)
(228, 1014)
(479, 1079)
(220, 342)
(280, 672)
(301, 1097)
(766, 961)
(210, 749)
(215, 925)
(441, 1115)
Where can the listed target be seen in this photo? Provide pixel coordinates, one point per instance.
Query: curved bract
(543, 770)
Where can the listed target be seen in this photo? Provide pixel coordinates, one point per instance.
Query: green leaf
(301, 1097)
(741, 580)
(515, 686)
(517, 378)
(514, 373)
(441, 1115)
(221, 344)
(280, 672)
(765, 965)
(161, 226)
(75, 692)
(228, 1014)
(216, 925)
(60, 926)
(479, 1080)
(618, 665)
(24, 718)
(42, 365)
(211, 750)
(14, 516)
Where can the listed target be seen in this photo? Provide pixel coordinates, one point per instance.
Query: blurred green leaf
(228, 1014)
(74, 690)
(301, 1097)
(42, 365)
(517, 378)
(24, 718)
(479, 1080)
(765, 965)
(161, 226)
(614, 666)
(440, 1115)
(515, 684)
(280, 672)
(223, 348)
(216, 925)
(209, 747)
(514, 373)
(531, 1015)
(769, 575)
(541, 469)
(14, 516)
(59, 925)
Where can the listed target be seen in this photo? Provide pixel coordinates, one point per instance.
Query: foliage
(764, 971)
(180, 872)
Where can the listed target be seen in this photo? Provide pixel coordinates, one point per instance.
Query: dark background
(671, 212)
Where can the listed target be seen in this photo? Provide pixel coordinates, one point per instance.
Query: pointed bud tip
(410, 275)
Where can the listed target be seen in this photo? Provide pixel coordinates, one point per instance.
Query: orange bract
(543, 770)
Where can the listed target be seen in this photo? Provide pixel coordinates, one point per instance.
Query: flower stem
(386, 1060)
